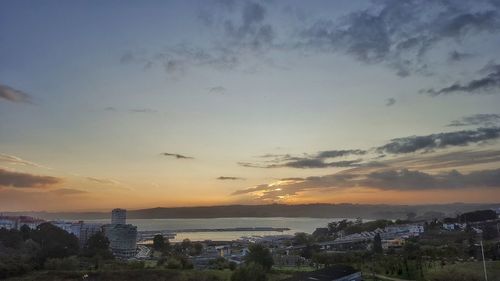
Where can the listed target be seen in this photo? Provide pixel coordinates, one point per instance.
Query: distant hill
(344, 210)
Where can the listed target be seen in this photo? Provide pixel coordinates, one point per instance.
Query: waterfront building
(16, 222)
(122, 236)
(118, 216)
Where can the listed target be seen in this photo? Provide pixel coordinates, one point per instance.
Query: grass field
(145, 274)
(465, 271)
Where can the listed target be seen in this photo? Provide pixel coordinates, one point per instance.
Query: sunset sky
(139, 104)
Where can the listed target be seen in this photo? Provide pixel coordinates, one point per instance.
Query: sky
(139, 104)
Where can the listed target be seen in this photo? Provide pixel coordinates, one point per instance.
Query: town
(345, 249)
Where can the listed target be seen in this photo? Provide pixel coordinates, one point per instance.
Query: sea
(307, 225)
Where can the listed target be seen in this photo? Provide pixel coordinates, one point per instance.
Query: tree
(197, 249)
(25, 232)
(249, 272)
(98, 244)
(480, 215)
(259, 254)
(301, 238)
(377, 244)
(309, 250)
(158, 242)
(54, 242)
(186, 245)
(490, 232)
(411, 216)
(10, 238)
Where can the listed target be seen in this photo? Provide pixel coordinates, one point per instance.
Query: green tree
(490, 232)
(377, 244)
(25, 232)
(69, 263)
(158, 242)
(197, 249)
(54, 242)
(186, 245)
(261, 255)
(10, 238)
(301, 238)
(249, 272)
(98, 244)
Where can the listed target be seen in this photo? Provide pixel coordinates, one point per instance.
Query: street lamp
(484, 262)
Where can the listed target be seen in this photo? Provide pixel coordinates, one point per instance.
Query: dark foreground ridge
(345, 210)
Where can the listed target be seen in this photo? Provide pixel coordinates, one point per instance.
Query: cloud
(316, 163)
(416, 180)
(339, 153)
(11, 159)
(229, 178)
(10, 94)
(440, 161)
(400, 34)
(386, 179)
(175, 60)
(304, 163)
(24, 180)
(252, 31)
(390, 102)
(440, 140)
(103, 180)
(319, 160)
(217, 90)
(489, 84)
(143, 110)
(485, 120)
(177, 156)
(396, 147)
(458, 56)
(110, 108)
(68, 191)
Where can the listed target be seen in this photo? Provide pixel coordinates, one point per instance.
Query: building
(122, 236)
(118, 216)
(8, 222)
(16, 222)
(87, 230)
(83, 231)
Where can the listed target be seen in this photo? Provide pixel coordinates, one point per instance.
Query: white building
(122, 237)
(16, 222)
(118, 216)
(8, 223)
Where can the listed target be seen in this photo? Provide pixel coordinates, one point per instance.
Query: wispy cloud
(10, 94)
(177, 156)
(143, 110)
(456, 56)
(24, 180)
(488, 84)
(11, 159)
(217, 90)
(385, 179)
(390, 102)
(103, 180)
(400, 34)
(110, 108)
(439, 141)
(485, 120)
(229, 178)
(68, 191)
(395, 147)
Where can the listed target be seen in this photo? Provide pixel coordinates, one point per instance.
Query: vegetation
(377, 244)
(258, 254)
(480, 215)
(250, 272)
